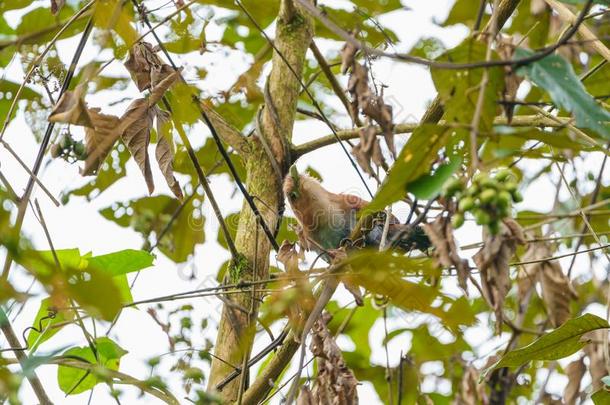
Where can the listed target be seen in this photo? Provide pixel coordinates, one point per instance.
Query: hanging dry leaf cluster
(493, 262)
(373, 107)
(335, 383)
(557, 291)
(440, 233)
(134, 126)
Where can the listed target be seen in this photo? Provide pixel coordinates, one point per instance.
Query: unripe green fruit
(65, 141)
(490, 183)
(488, 195)
(503, 175)
(511, 186)
(79, 151)
(457, 220)
(504, 199)
(465, 204)
(481, 217)
(517, 197)
(480, 178)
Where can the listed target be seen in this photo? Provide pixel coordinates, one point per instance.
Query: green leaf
(429, 185)
(360, 323)
(152, 215)
(459, 89)
(8, 90)
(35, 338)
(74, 381)
(414, 160)
(555, 75)
(555, 345)
(122, 262)
(601, 397)
(89, 286)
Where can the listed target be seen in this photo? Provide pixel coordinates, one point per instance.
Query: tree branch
(518, 121)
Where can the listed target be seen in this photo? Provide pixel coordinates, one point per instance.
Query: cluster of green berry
(68, 148)
(488, 198)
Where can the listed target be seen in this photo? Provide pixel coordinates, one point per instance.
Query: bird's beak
(295, 176)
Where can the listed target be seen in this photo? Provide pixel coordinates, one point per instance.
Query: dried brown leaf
(165, 151)
(493, 262)
(440, 233)
(99, 139)
(348, 52)
(136, 124)
(56, 6)
(140, 62)
(289, 257)
(471, 392)
(574, 371)
(335, 382)
(71, 109)
(557, 291)
(305, 396)
(595, 353)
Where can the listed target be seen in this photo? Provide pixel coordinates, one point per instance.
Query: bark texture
(238, 322)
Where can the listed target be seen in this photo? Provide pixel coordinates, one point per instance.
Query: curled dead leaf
(574, 371)
(471, 392)
(165, 151)
(56, 6)
(99, 139)
(373, 106)
(440, 233)
(493, 262)
(289, 257)
(335, 382)
(101, 130)
(140, 63)
(597, 363)
(71, 109)
(348, 53)
(557, 291)
(136, 124)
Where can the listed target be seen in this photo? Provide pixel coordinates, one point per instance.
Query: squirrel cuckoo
(326, 218)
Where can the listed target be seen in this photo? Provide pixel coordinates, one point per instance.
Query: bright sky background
(78, 224)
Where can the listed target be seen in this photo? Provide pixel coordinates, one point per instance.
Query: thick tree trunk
(236, 330)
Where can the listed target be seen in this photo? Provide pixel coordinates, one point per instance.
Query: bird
(327, 219)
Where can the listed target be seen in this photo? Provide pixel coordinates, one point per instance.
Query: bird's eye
(292, 195)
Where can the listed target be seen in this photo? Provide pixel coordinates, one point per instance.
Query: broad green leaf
(90, 287)
(39, 25)
(8, 90)
(74, 381)
(463, 12)
(114, 15)
(122, 262)
(152, 216)
(429, 185)
(48, 330)
(601, 397)
(370, 261)
(414, 160)
(360, 323)
(14, 4)
(459, 89)
(555, 345)
(557, 77)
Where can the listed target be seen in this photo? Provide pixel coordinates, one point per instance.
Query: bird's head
(306, 196)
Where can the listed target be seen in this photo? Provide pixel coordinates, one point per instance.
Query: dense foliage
(521, 107)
